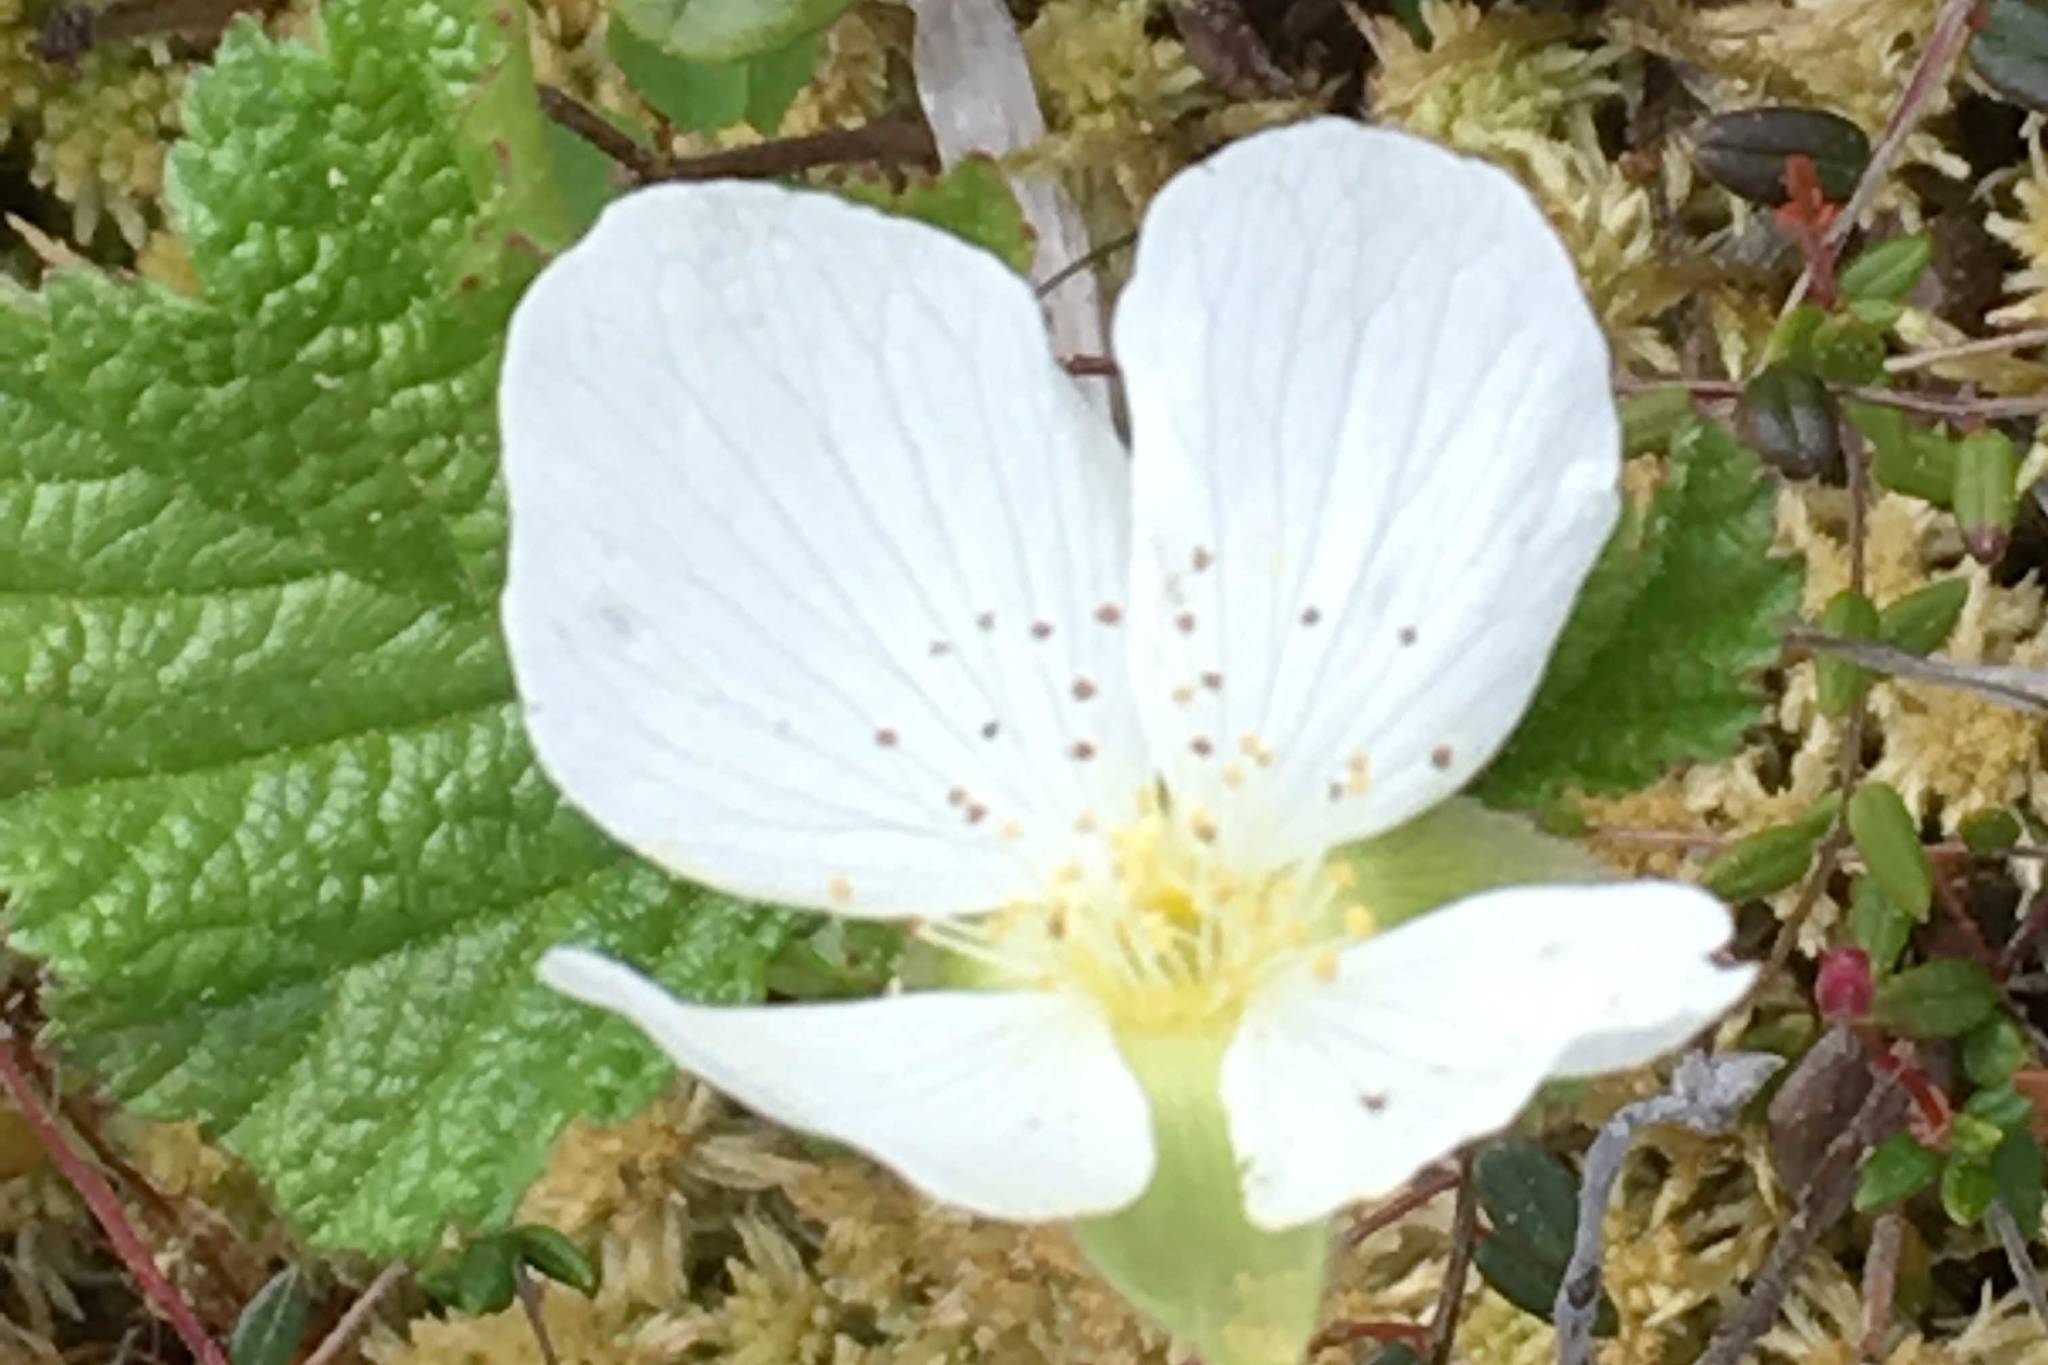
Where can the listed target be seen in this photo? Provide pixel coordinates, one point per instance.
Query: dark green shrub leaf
(1942, 999)
(1747, 151)
(1967, 1189)
(2011, 52)
(1992, 1052)
(1790, 419)
(555, 1256)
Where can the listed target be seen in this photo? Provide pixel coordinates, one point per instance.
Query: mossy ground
(720, 1238)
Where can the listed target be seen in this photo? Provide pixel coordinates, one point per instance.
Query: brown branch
(1427, 1185)
(336, 1341)
(1224, 46)
(99, 1197)
(2024, 689)
(1880, 1284)
(1962, 350)
(1443, 1323)
(529, 1304)
(1821, 1204)
(1084, 365)
(891, 142)
(1953, 26)
(1954, 407)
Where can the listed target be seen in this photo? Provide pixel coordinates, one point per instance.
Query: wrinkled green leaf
(1655, 665)
(266, 807)
(972, 201)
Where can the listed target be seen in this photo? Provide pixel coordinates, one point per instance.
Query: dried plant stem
(2014, 1240)
(529, 1303)
(1998, 345)
(1089, 259)
(358, 1314)
(1880, 1283)
(99, 1197)
(1443, 1323)
(2025, 689)
(1426, 1186)
(1929, 405)
(1824, 1200)
(1953, 26)
(884, 141)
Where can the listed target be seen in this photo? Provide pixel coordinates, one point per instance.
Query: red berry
(1844, 988)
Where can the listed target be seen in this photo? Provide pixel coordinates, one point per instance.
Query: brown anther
(1081, 751)
(986, 621)
(1310, 616)
(1374, 1102)
(1336, 791)
(1109, 613)
(939, 649)
(990, 729)
(957, 797)
(1441, 756)
(1407, 635)
(1213, 681)
(1083, 689)
(976, 812)
(1201, 558)
(1041, 630)
(1202, 747)
(1186, 622)
(886, 738)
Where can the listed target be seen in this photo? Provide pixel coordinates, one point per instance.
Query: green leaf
(555, 1256)
(1530, 1197)
(1840, 684)
(1889, 270)
(1992, 1052)
(705, 96)
(1889, 840)
(1921, 621)
(482, 1278)
(1967, 1189)
(725, 30)
(266, 807)
(272, 1325)
(1942, 999)
(1899, 1169)
(1878, 925)
(2011, 51)
(1655, 665)
(2016, 1171)
(1760, 863)
(972, 201)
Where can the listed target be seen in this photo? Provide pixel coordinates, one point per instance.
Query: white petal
(1439, 1031)
(1375, 454)
(1013, 1105)
(810, 537)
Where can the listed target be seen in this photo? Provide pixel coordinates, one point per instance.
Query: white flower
(825, 588)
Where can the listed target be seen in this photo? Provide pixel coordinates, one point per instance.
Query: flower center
(1164, 934)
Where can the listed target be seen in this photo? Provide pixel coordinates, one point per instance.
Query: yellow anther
(1359, 921)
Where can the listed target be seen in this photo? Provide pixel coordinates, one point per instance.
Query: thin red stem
(106, 1208)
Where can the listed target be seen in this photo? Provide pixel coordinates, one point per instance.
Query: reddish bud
(1844, 989)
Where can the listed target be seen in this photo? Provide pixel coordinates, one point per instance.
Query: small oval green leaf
(1991, 831)
(1942, 999)
(725, 30)
(1889, 840)
(1878, 925)
(1839, 683)
(1967, 1189)
(1921, 621)
(1888, 271)
(1529, 1197)
(552, 1254)
(1898, 1169)
(1993, 1051)
(1986, 493)
(1787, 415)
(1759, 864)
(273, 1323)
